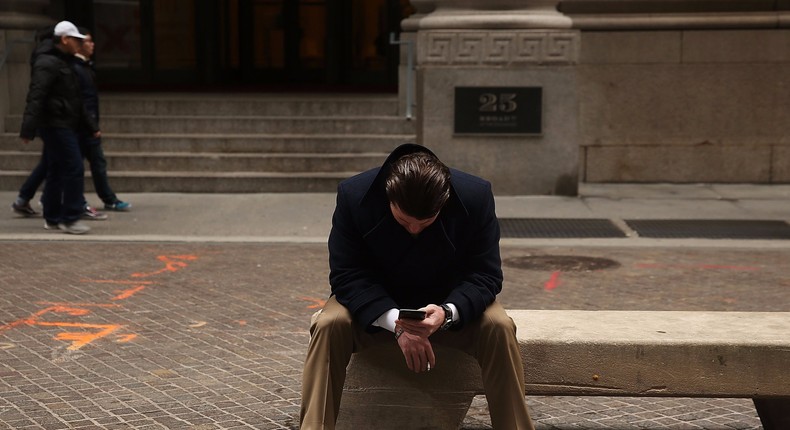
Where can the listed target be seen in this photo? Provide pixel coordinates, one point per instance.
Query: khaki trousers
(491, 340)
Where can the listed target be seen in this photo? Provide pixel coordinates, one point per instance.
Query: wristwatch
(448, 317)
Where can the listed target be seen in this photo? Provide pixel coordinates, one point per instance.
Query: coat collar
(376, 194)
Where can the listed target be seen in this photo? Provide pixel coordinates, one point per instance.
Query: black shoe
(23, 209)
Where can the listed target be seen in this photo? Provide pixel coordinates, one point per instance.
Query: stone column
(19, 20)
(408, 46)
(500, 43)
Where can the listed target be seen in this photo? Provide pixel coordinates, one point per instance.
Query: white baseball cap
(65, 28)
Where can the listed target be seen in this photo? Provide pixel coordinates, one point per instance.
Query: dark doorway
(270, 45)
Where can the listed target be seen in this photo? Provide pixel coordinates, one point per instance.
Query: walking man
(89, 145)
(414, 234)
(55, 112)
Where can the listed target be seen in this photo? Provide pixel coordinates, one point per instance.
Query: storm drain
(711, 229)
(558, 228)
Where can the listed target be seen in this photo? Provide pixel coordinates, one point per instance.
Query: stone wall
(662, 90)
(685, 106)
(18, 21)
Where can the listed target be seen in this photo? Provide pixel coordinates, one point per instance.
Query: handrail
(409, 71)
(9, 48)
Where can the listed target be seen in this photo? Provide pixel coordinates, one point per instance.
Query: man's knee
(333, 317)
(496, 322)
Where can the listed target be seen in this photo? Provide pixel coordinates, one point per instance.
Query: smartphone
(412, 314)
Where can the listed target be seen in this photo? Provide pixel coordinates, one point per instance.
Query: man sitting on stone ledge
(414, 234)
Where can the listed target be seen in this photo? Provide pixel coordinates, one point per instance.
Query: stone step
(248, 105)
(214, 162)
(246, 125)
(233, 143)
(204, 182)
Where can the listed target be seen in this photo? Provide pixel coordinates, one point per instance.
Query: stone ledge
(588, 353)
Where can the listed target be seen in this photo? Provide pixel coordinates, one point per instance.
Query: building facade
(647, 91)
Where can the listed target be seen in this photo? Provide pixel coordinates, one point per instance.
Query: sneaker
(23, 209)
(91, 214)
(74, 227)
(118, 206)
(49, 225)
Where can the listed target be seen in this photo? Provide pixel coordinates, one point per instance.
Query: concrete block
(684, 104)
(737, 46)
(631, 47)
(780, 164)
(704, 163)
(644, 353)
(380, 389)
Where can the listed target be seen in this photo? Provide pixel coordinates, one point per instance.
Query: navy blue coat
(376, 265)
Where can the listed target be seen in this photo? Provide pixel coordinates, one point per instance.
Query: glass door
(288, 45)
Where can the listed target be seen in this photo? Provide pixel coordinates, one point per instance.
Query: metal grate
(711, 229)
(558, 228)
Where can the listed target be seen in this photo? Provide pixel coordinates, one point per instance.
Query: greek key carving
(438, 48)
(497, 47)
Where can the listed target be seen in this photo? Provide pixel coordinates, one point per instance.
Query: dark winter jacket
(376, 265)
(53, 99)
(86, 75)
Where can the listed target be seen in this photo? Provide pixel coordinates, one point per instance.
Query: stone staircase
(230, 143)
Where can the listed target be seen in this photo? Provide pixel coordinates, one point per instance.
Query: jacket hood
(46, 47)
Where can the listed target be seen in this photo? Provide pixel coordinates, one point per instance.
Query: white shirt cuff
(456, 317)
(387, 320)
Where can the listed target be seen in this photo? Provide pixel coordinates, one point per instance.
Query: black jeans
(92, 151)
(34, 181)
(62, 199)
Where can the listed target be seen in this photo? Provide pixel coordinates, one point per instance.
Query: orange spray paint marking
(242, 323)
(109, 281)
(126, 338)
(317, 303)
(82, 305)
(122, 294)
(171, 265)
(33, 319)
(78, 340)
(553, 282)
(125, 294)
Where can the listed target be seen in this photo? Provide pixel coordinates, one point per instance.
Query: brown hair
(418, 184)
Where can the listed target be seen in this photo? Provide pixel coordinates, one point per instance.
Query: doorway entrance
(271, 45)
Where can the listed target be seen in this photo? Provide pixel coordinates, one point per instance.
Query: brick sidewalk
(212, 336)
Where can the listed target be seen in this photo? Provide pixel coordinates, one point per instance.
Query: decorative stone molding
(498, 48)
(490, 14)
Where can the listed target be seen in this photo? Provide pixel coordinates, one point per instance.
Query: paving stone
(213, 335)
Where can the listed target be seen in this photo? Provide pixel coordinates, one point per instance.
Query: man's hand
(418, 352)
(25, 141)
(434, 318)
(97, 134)
(414, 341)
